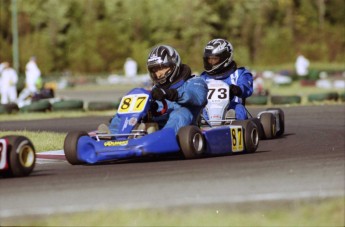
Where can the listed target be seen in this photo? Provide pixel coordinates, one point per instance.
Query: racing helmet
(160, 57)
(218, 48)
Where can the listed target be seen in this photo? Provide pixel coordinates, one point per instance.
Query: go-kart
(139, 136)
(270, 122)
(17, 156)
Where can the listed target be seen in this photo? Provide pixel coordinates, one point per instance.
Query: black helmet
(219, 48)
(160, 57)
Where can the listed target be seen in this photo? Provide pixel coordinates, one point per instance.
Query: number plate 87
(132, 103)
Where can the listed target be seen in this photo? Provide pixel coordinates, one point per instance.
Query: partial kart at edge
(17, 156)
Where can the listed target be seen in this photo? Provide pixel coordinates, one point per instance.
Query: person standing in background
(302, 65)
(33, 80)
(9, 80)
(1, 68)
(130, 67)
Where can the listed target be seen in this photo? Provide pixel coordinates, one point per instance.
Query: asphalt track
(306, 163)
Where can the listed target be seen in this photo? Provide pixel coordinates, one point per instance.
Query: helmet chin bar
(213, 70)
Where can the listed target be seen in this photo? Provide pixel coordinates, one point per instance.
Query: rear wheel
(70, 147)
(251, 135)
(21, 156)
(269, 125)
(281, 120)
(259, 127)
(191, 141)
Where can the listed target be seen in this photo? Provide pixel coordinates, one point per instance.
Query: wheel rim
(198, 143)
(255, 137)
(26, 156)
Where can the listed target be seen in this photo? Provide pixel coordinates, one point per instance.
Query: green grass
(327, 212)
(50, 115)
(42, 141)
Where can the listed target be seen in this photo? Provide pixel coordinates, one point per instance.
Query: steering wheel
(155, 111)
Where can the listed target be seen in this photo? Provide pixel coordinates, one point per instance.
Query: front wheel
(191, 141)
(70, 147)
(22, 156)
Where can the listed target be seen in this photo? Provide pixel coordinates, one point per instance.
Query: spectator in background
(130, 67)
(9, 80)
(2, 65)
(302, 65)
(33, 81)
(1, 68)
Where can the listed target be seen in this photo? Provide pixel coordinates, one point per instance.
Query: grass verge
(319, 212)
(42, 140)
(50, 115)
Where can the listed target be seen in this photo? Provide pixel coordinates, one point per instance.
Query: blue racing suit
(192, 98)
(240, 77)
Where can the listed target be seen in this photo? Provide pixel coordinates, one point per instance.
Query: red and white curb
(50, 156)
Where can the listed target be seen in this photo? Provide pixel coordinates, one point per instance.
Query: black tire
(66, 105)
(281, 121)
(288, 99)
(257, 100)
(259, 127)
(39, 106)
(21, 156)
(251, 134)
(70, 146)
(191, 142)
(101, 106)
(269, 125)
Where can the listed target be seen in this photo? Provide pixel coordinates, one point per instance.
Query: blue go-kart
(140, 137)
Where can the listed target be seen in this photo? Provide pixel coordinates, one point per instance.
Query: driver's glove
(161, 93)
(154, 107)
(235, 91)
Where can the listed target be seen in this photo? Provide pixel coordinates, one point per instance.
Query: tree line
(96, 36)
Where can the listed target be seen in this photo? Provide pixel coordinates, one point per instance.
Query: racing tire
(281, 120)
(259, 127)
(191, 142)
(70, 146)
(21, 156)
(66, 105)
(288, 99)
(251, 134)
(268, 124)
(37, 106)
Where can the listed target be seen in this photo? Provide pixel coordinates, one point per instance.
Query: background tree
(96, 36)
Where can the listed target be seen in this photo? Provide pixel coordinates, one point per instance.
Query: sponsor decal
(132, 121)
(116, 143)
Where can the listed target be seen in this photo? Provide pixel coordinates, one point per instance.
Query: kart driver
(219, 65)
(186, 95)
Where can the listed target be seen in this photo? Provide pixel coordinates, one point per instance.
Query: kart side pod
(239, 136)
